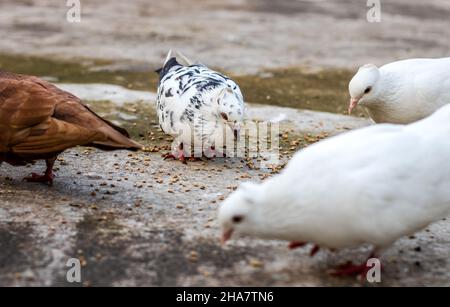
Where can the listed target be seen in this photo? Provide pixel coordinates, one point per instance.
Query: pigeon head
(363, 85)
(231, 109)
(238, 213)
(169, 63)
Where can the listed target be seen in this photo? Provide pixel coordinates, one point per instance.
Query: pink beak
(226, 235)
(352, 105)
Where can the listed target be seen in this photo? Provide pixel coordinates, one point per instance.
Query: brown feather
(55, 136)
(37, 120)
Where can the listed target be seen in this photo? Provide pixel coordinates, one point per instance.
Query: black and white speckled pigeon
(198, 106)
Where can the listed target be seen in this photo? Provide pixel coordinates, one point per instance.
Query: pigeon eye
(368, 90)
(224, 116)
(237, 219)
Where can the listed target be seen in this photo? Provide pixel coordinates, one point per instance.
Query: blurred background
(269, 45)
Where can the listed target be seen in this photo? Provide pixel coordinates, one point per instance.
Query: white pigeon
(401, 92)
(201, 108)
(368, 186)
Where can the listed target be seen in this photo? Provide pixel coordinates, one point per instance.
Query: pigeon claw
(211, 153)
(182, 159)
(296, 244)
(172, 156)
(349, 269)
(314, 250)
(46, 178)
(168, 156)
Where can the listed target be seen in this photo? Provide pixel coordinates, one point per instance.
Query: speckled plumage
(195, 103)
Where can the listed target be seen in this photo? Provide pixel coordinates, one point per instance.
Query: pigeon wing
(38, 118)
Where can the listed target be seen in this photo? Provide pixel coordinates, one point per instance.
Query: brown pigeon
(38, 121)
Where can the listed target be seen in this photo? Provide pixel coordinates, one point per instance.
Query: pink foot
(314, 250)
(169, 156)
(180, 153)
(172, 156)
(350, 269)
(296, 244)
(48, 175)
(46, 178)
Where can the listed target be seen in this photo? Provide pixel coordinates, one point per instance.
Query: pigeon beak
(352, 105)
(226, 235)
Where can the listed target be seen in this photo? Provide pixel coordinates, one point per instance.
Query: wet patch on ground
(19, 252)
(100, 244)
(324, 90)
(137, 76)
(114, 254)
(172, 258)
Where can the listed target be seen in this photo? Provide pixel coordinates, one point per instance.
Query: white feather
(168, 56)
(181, 88)
(372, 185)
(183, 59)
(405, 91)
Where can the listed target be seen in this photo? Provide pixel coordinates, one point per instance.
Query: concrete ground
(158, 229)
(237, 35)
(134, 219)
